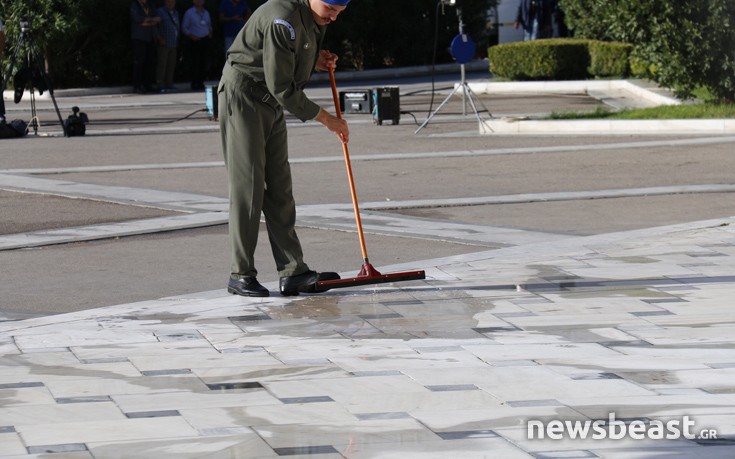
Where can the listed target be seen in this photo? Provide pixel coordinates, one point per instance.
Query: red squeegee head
(367, 274)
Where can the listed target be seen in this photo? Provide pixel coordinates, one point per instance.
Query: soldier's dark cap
(337, 2)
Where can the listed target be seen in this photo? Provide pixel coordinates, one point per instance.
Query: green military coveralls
(267, 68)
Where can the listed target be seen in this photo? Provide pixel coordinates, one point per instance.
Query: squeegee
(367, 274)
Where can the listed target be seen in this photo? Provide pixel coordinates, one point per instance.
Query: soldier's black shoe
(312, 288)
(304, 283)
(246, 286)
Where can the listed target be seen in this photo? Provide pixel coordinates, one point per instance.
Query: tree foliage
(388, 33)
(81, 41)
(87, 42)
(684, 45)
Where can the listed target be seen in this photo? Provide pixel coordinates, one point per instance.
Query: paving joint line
(395, 156)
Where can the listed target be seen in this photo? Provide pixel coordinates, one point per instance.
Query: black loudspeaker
(357, 101)
(386, 105)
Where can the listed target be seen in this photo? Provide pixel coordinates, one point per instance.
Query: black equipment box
(387, 105)
(358, 101)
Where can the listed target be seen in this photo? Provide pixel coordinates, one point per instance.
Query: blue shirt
(197, 23)
(229, 9)
(169, 26)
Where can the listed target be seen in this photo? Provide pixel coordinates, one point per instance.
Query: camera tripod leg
(467, 93)
(25, 37)
(6, 78)
(50, 89)
(444, 102)
(466, 88)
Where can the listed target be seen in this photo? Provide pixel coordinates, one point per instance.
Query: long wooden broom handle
(349, 171)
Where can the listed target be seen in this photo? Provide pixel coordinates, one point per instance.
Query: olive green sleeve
(279, 63)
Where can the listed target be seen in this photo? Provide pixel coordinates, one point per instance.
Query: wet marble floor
(638, 325)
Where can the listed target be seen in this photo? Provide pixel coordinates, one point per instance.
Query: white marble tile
(264, 415)
(346, 389)
(8, 348)
(10, 362)
(26, 396)
(705, 354)
(586, 302)
(695, 405)
(331, 348)
(142, 385)
(540, 351)
(678, 451)
(407, 402)
(75, 371)
(158, 348)
(445, 360)
(416, 344)
(203, 361)
(11, 444)
(67, 337)
(490, 419)
(461, 375)
(489, 319)
(193, 400)
(246, 444)
(65, 455)
(59, 413)
(358, 433)
(686, 335)
(695, 314)
(263, 373)
(534, 383)
(591, 320)
(520, 437)
(711, 380)
(110, 430)
(443, 449)
(623, 271)
(614, 363)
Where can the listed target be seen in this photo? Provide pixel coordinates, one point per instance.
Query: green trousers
(255, 147)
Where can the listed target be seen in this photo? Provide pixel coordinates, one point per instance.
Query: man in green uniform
(268, 65)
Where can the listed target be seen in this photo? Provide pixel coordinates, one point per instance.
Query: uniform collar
(306, 11)
(307, 17)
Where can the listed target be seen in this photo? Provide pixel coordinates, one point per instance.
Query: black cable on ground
(132, 121)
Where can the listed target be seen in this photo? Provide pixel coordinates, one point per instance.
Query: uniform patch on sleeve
(288, 25)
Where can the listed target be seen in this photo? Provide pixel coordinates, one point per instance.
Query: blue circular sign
(463, 48)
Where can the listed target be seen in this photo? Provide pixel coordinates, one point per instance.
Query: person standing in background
(2, 39)
(197, 26)
(233, 14)
(143, 22)
(2, 54)
(168, 45)
(536, 18)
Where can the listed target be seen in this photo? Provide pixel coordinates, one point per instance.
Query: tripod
(463, 50)
(33, 76)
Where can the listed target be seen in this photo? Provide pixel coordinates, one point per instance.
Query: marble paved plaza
(536, 333)
(638, 325)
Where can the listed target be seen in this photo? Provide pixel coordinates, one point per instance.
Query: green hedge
(682, 45)
(559, 59)
(609, 59)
